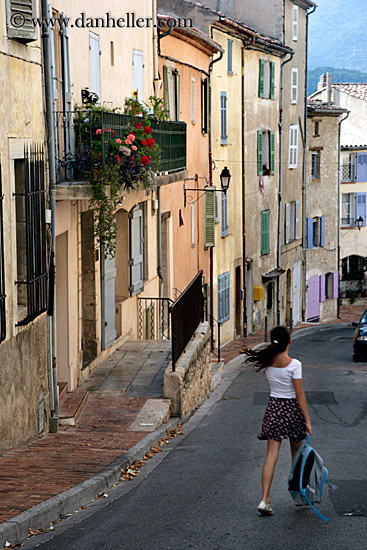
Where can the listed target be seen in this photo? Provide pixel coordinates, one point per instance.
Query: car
(360, 339)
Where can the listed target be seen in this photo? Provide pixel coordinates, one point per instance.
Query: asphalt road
(202, 491)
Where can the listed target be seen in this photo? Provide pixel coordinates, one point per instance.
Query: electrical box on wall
(258, 293)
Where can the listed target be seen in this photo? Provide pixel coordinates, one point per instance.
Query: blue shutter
(362, 167)
(220, 298)
(322, 231)
(361, 207)
(309, 233)
(223, 295)
(226, 296)
(224, 214)
(229, 56)
(223, 118)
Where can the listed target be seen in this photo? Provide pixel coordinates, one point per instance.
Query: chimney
(321, 83)
(328, 87)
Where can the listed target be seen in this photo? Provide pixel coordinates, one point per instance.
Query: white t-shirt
(281, 379)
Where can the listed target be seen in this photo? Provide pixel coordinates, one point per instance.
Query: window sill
(223, 236)
(221, 321)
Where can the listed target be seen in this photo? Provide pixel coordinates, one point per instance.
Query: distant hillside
(338, 75)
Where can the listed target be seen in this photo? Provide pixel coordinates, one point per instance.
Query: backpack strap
(313, 508)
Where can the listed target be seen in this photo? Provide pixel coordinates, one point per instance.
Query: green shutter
(265, 240)
(272, 79)
(259, 153)
(261, 77)
(272, 152)
(177, 81)
(209, 216)
(166, 73)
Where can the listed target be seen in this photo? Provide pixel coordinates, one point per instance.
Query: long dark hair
(262, 358)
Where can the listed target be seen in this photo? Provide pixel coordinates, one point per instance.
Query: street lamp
(359, 222)
(225, 178)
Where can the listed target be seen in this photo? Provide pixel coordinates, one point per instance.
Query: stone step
(154, 413)
(216, 374)
(72, 407)
(63, 391)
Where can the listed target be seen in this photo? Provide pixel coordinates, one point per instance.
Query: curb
(55, 508)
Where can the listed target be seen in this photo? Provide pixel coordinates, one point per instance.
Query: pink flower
(98, 132)
(131, 136)
(134, 148)
(118, 140)
(128, 142)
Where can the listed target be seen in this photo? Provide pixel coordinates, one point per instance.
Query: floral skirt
(283, 419)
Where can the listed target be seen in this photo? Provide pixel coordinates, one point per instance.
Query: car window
(363, 320)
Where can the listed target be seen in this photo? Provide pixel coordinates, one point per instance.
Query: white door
(108, 301)
(94, 62)
(138, 74)
(296, 293)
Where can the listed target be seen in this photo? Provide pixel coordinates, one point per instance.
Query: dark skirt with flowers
(283, 419)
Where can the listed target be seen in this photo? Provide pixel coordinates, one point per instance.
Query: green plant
(133, 107)
(157, 109)
(352, 295)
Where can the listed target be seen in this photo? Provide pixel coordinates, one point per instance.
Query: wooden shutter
(261, 77)
(66, 86)
(166, 76)
(94, 64)
(272, 79)
(22, 11)
(296, 220)
(229, 56)
(209, 216)
(361, 167)
(322, 231)
(223, 296)
(137, 244)
(294, 86)
(272, 151)
(226, 295)
(287, 222)
(259, 153)
(224, 214)
(309, 233)
(223, 118)
(361, 207)
(138, 74)
(335, 284)
(293, 146)
(322, 288)
(220, 298)
(178, 92)
(204, 105)
(265, 240)
(295, 23)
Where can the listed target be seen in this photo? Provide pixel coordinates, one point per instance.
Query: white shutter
(294, 86)
(287, 221)
(295, 23)
(136, 250)
(138, 74)
(293, 146)
(94, 65)
(193, 224)
(296, 220)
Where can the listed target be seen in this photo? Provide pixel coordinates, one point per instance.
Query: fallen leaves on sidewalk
(13, 545)
(132, 471)
(33, 532)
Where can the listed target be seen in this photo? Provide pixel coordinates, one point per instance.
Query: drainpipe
(159, 243)
(54, 400)
(156, 77)
(339, 179)
(280, 199)
(304, 187)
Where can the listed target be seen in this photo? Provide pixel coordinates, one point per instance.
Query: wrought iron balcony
(348, 172)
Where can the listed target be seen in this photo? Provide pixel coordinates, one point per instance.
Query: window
(223, 118)
(26, 32)
(2, 274)
(293, 146)
(265, 153)
(112, 53)
(315, 232)
(137, 249)
(269, 296)
(223, 297)
(316, 159)
(172, 85)
(294, 86)
(204, 105)
(353, 207)
(229, 56)
(224, 215)
(138, 74)
(317, 129)
(94, 64)
(266, 79)
(349, 167)
(295, 23)
(192, 225)
(329, 286)
(30, 211)
(265, 232)
(291, 231)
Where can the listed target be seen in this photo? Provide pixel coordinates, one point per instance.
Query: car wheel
(356, 358)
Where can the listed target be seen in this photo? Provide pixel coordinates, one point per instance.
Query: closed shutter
(309, 233)
(287, 221)
(265, 237)
(322, 231)
(272, 152)
(22, 12)
(272, 79)
(361, 207)
(362, 167)
(138, 74)
(209, 217)
(223, 118)
(224, 214)
(261, 77)
(296, 220)
(293, 146)
(259, 153)
(322, 288)
(178, 93)
(137, 244)
(229, 56)
(223, 297)
(66, 84)
(166, 77)
(294, 86)
(94, 64)
(295, 23)
(335, 284)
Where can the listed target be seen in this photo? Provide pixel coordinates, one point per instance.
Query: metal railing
(78, 133)
(348, 172)
(219, 324)
(347, 221)
(186, 315)
(154, 318)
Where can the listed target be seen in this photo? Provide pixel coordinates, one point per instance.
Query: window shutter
(272, 79)
(322, 231)
(261, 77)
(272, 152)
(322, 288)
(166, 75)
(361, 167)
(293, 146)
(223, 296)
(287, 221)
(296, 220)
(209, 217)
(224, 215)
(26, 32)
(335, 284)
(136, 251)
(216, 208)
(219, 298)
(223, 118)
(94, 65)
(230, 57)
(204, 105)
(361, 207)
(66, 83)
(259, 153)
(138, 74)
(295, 23)
(265, 241)
(226, 296)
(294, 86)
(193, 100)
(178, 92)
(309, 233)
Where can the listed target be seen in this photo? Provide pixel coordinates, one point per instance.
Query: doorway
(238, 302)
(62, 309)
(89, 308)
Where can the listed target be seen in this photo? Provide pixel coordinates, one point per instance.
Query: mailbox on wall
(258, 293)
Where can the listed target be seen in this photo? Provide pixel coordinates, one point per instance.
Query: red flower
(151, 142)
(145, 160)
(118, 159)
(144, 142)
(138, 125)
(147, 130)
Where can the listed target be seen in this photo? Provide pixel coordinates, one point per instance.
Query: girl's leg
(295, 446)
(269, 467)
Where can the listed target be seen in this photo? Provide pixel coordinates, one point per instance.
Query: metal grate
(348, 172)
(2, 274)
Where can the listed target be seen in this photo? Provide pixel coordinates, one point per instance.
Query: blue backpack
(308, 477)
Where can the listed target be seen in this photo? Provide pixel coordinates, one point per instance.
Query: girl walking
(286, 415)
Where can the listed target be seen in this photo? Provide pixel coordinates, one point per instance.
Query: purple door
(313, 298)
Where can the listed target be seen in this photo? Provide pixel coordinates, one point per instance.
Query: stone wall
(189, 385)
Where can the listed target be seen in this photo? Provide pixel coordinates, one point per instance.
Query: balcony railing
(347, 221)
(348, 172)
(75, 134)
